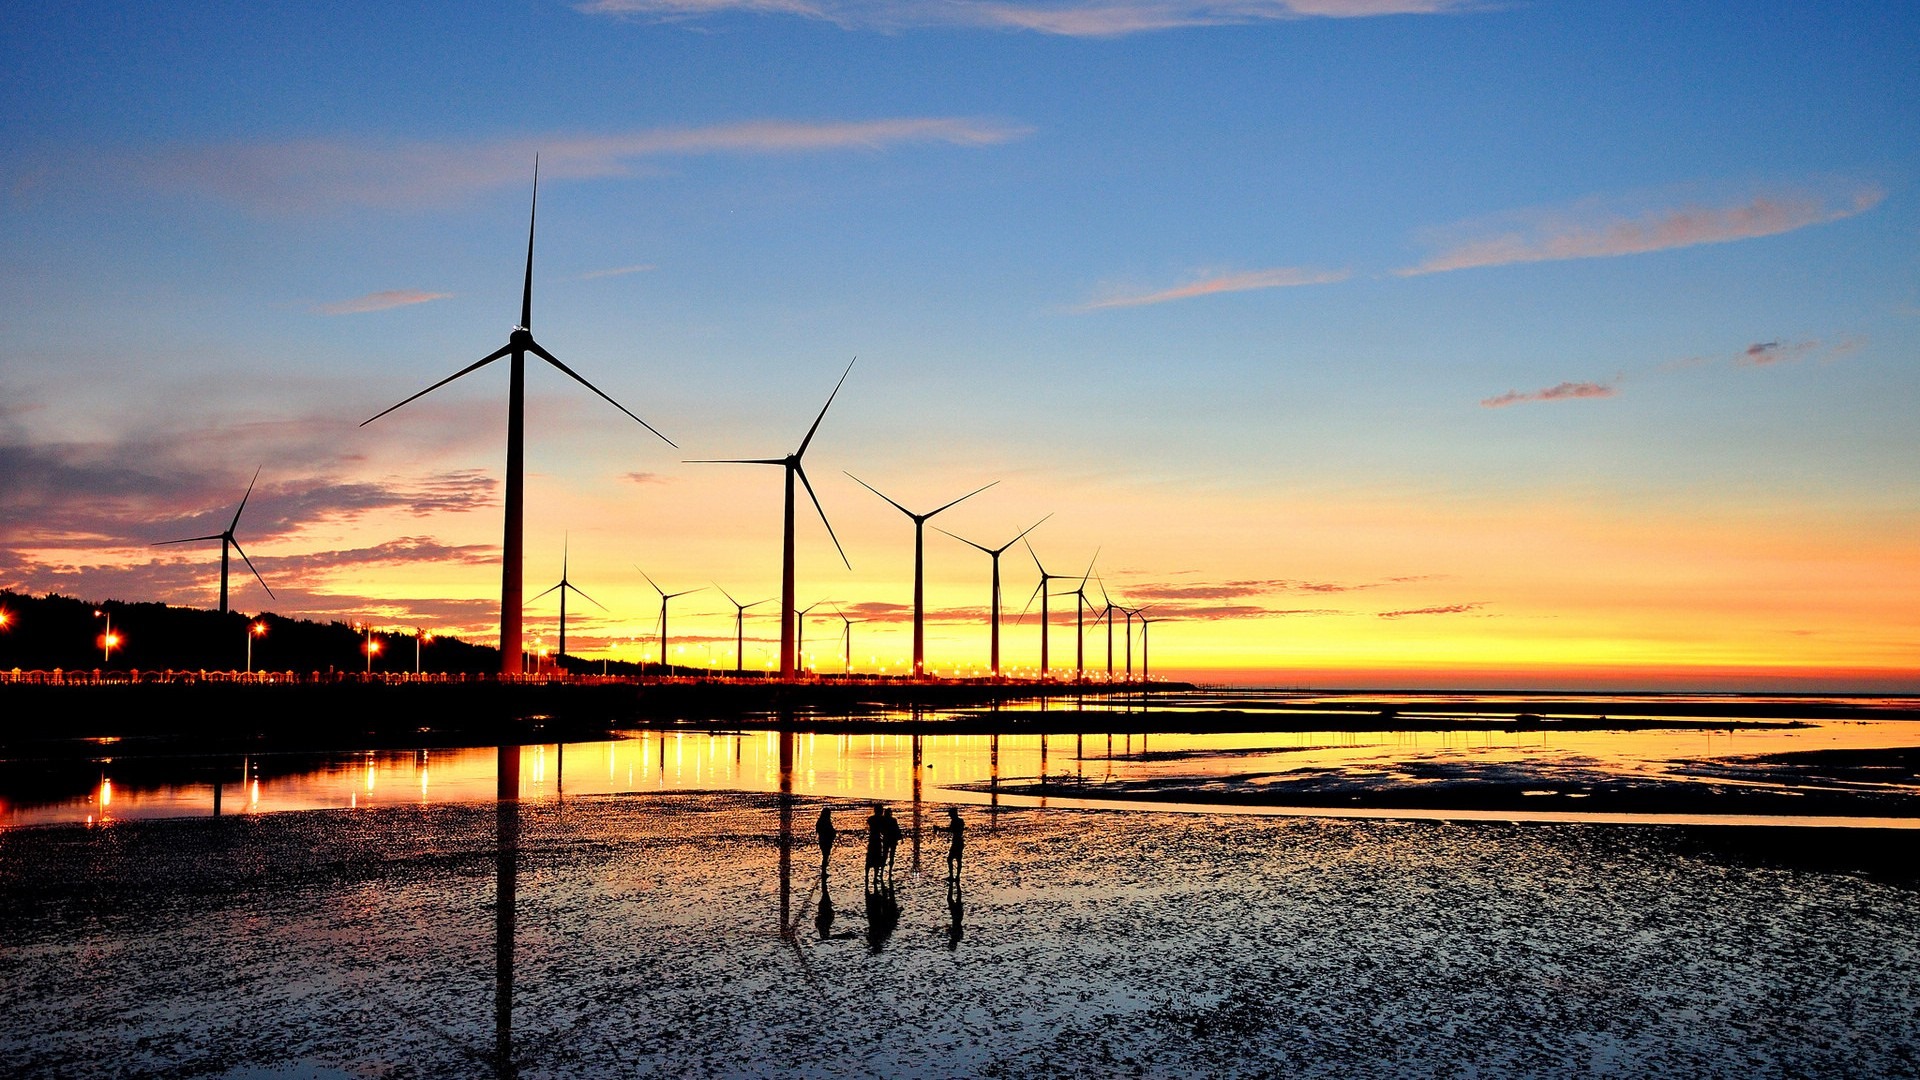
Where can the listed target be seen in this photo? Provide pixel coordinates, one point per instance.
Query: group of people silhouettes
(883, 839)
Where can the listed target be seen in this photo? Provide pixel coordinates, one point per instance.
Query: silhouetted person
(956, 831)
(876, 845)
(823, 828)
(889, 838)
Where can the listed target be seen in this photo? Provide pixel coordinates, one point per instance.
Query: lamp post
(257, 629)
(372, 646)
(107, 640)
(420, 636)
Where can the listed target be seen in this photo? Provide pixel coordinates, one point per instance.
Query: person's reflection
(506, 868)
(916, 804)
(823, 918)
(955, 912)
(883, 913)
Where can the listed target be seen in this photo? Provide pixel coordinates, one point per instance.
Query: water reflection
(907, 768)
(506, 874)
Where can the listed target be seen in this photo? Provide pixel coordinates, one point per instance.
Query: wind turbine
(664, 597)
(564, 586)
(1080, 607)
(1044, 594)
(227, 540)
(994, 554)
(1145, 675)
(519, 343)
(1106, 616)
(847, 635)
(792, 463)
(800, 639)
(919, 567)
(739, 622)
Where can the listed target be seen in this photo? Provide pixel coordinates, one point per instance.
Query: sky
(1362, 342)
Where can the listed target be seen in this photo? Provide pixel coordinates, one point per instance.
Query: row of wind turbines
(520, 343)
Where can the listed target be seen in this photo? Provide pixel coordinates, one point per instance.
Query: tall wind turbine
(1044, 594)
(563, 586)
(788, 616)
(1080, 606)
(739, 631)
(519, 343)
(919, 567)
(227, 541)
(664, 597)
(994, 554)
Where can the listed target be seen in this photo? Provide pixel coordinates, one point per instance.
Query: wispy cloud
(1588, 231)
(617, 271)
(312, 173)
(1243, 281)
(1778, 351)
(381, 301)
(1070, 18)
(1566, 391)
(644, 478)
(1443, 609)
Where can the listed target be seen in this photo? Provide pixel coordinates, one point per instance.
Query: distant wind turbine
(739, 631)
(788, 616)
(563, 586)
(664, 597)
(1146, 675)
(1044, 594)
(919, 567)
(519, 343)
(227, 540)
(1080, 607)
(800, 624)
(847, 636)
(994, 615)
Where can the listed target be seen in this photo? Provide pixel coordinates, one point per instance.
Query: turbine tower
(788, 616)
(1146, 675)
(519, 343)
(739, 631)
(846, 636)
(919, 567)
(227, 541)
(1044, 594)
(800, 639)
(994, 554)
(563, 586)
(664, 597)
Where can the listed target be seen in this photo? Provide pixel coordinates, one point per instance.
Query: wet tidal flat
(657, 934)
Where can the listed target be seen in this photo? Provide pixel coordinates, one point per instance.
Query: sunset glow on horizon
(1423, 344)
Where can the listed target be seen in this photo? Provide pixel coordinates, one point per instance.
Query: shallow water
(642, 934)
(879, 766)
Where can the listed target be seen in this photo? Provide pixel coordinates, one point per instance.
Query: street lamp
(258, 629)
(107, 639)
(420, 635)
(373, 647)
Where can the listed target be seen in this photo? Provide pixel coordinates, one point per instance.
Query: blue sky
(1639, 266)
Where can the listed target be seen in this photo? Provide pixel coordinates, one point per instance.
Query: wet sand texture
(646, 941)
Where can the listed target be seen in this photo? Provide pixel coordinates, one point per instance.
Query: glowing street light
(257, 629)
(420, 636)
(372, 646)
(108, 639)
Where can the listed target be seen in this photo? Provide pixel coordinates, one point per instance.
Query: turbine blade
(1024, 532)
(966, 541)
(256, 573)
(823, 411)
(190, 540)
(1089, 573)
(684, 592)
(880, 493)
(727, 594)
(650, 581)
(470, 368)
(1024, 608)
(1036, 565)
(734, 461)
(534, 347)
(530, 600)
(963, 498)
(822, 512)
(243, 501)
(578, 592)
(526, 295)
